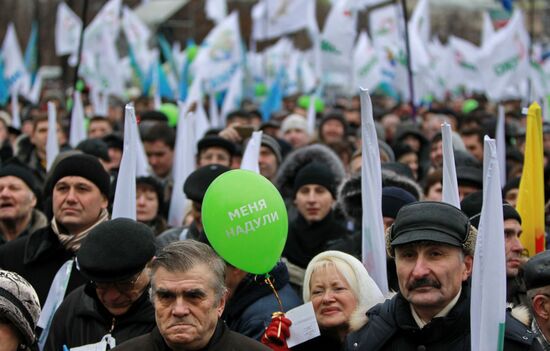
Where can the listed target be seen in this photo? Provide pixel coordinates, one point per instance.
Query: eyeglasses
(122, 286)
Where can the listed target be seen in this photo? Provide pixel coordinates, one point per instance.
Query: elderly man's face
(214, 155)
(431, 275)
(187, 307)
(16, 199)
(118, 297)
(77, 203)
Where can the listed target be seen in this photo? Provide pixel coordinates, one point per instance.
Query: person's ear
(541, 306)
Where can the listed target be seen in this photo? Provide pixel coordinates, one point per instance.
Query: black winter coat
(81, 319)
(391, 326)
(222, 340)
(37, 258)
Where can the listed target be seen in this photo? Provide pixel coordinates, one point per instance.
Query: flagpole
(531, 37)
(409, 66)
(80, 43)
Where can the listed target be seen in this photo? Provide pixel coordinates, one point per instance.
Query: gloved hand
(277, 332)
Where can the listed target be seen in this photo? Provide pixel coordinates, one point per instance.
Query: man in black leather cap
(433, 244)
(536, 273)
(114, 305)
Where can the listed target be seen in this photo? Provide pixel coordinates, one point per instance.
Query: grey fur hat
(299, 158)
(349, 197)
(19, 304)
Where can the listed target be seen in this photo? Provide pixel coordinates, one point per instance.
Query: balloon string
(268, 282)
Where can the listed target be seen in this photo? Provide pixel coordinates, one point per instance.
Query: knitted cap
(16, 169)
(315, 173)
(294, 121)
(19, 304)
(80, 165)
(271, 143)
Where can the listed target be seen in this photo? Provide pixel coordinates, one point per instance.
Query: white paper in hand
(304, 324)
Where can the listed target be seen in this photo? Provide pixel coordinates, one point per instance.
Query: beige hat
(294, 121)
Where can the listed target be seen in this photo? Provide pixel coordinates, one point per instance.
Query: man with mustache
(433, 245)
(189, 294)
(516, 293)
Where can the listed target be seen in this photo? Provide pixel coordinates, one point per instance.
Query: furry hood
(302, 156)
(349, 198)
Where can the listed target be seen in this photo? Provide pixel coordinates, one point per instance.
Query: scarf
(73, 242)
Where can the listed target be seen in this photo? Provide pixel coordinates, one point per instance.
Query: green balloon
(260, 89)
(245, 220)
(172, 112)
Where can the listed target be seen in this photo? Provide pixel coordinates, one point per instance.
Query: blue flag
(4, 93)
(137, 70)
(274, 100)
(31, 52)
(166, 50)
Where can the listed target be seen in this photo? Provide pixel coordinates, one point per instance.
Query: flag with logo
(464, 57)
(220, 55)
(337, 43)
(15, 72)
(366, 64)
(107, 19)
(504, 60)
(274, 18)
(488, 302)
(530, 204)
(67, 30)
(137, 34)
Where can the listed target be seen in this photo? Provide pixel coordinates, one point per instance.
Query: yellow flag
(530, 204)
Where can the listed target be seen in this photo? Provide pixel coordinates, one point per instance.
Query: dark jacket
(249, 310)
(180, 233)
(391, 326)
(320, 343)
(37, 257)
(222, 340)
(38, 221)
(516, 293)
(81, 319)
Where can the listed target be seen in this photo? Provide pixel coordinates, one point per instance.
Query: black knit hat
(95, 147)
(80, 165)
(197, 182)
(271, 143)
(393, 198)
(116, 250)
(471, 205)
(315, 173)
(214, 140)
(15, 168)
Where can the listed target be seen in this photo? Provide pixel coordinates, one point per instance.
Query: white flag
(201, 122)
(124, 205)
(500, 137)
(338, 39)
(68, 27)
(488, 302)
(142, 164)
(504, 60)
(52, 144)
(213, 112)
(311, 115)
(275, 18)
(138, 35)
(184, 164)
(373, 242)
(252, 153)
(14, 67)
(107, 19)
(465, 72)
(232, 100)
(220, 55)
(450, 183)
(15, 116)
(216, 10)
(366, 64)
(487, 29)
(36, 89)
(77, 132)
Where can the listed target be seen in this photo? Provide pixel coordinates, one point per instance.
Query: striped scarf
(72, 242)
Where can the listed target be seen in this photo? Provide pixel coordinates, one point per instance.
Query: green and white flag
(337, 42)
(464, 65)
(274, 18)
(67, 30)
(366, 64)
(488, 302)
(504, 60)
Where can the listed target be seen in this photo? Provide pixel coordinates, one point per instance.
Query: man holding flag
(433, 244)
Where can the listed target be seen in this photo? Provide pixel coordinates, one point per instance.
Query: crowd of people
(71, 276)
